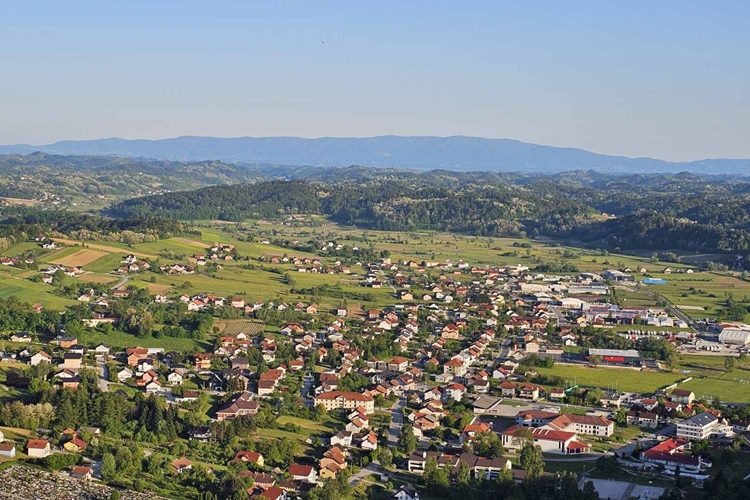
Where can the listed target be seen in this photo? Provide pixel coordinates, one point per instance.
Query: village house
(241, 404)
(38, 448)
(303, 473)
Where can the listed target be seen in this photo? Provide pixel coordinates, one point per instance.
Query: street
(397, 420)
(103, 374)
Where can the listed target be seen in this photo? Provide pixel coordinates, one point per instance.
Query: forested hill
(39, 176)
(661, 212)
(456, 153)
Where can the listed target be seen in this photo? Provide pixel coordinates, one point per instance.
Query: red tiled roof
(355, 396)
(300, 470)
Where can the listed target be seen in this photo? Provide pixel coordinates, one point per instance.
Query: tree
(621, 417)
(434, 478)
(386, 457)
(463, 475)
(595, 359)
(522, 436)
(487, 444)
(532, 460)
(730, 364)
(407, 442)
(109, 466)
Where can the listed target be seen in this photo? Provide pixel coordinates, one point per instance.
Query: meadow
(709, 378)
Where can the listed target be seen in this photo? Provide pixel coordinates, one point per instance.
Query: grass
(576, 467)
(28, 291)
(118, 339)
(621, 379)
(278, 433)
(307, 426)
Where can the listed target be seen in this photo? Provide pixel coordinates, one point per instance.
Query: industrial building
(735, 334)
(621, 357)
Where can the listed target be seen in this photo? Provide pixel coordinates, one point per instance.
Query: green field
(620, 379)
(28, 291)
(117, 339)
(709, 378)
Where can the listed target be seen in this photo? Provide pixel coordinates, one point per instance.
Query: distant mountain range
(456, 153)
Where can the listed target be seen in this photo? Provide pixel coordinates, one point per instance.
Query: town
(415, 376)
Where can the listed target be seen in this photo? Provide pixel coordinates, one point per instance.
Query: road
(371, 468)
(561, 320)
(122, 282)
(675, 310)
(307, 383)
(397, 420)
(103, 374)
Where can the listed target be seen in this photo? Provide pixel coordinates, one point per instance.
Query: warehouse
(620, 357)
(735, 334)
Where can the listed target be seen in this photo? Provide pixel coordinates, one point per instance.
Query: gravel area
(25, 483)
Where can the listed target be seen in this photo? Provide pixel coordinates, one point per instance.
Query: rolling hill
(456, 153)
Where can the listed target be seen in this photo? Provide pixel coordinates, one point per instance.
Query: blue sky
(665, 79)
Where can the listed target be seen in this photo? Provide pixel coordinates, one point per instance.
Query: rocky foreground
(25, 483)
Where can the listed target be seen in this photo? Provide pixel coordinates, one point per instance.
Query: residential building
(339, 400)
(240, 404)
(38, 448)
(703, 426)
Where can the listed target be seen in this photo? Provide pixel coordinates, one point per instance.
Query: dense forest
(684, 211)
(22, 223)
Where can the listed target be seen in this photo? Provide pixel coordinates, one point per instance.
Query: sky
(666, 79)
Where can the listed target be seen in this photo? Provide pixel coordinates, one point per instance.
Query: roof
(681, 392)
(702, 419)
(300, 470)
(181, 462)
(356, 396)
(248, 456)
(626, 353)
(37, 444)
(671, 450)
(540, 433)
(272, 493)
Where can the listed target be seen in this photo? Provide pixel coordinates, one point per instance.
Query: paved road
(307, 383)
(371, 468)
(122, 282)
(103, 374)
(397, 420)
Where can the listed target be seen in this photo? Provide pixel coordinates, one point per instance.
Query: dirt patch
(20, 202)
(355, 311)
(157, 288)
(188, 241)
(80, 258)
(16, 430)
(93, 278)
(107, 248)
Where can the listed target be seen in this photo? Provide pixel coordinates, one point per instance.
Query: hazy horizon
(641, 80)
(366, 137)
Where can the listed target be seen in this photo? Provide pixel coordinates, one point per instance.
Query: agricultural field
(80, 258)
(233, 327)
(28, 291)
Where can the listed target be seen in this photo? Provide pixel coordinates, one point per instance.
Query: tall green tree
(532, 460)
(407, 442)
